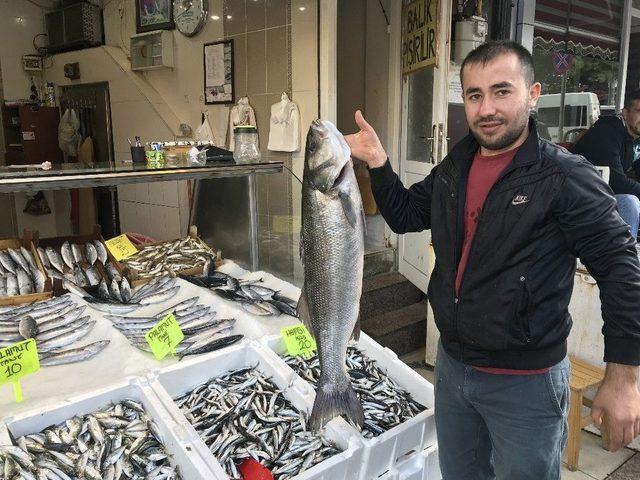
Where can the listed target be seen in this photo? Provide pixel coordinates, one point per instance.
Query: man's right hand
(365, 145)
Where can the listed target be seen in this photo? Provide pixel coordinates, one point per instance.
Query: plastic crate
(423, 466)
(176, 380)
(387, 450)
(181, 452)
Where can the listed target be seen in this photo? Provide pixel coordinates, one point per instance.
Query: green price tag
(298, 340)
(164, 337)
(17, 361)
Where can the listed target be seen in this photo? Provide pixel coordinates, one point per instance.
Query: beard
(513, 130)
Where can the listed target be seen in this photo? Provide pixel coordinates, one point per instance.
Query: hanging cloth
(284, 131)
(204, 132)
(240, 114)
(68, 137)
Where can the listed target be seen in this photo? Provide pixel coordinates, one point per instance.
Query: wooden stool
(583, 377)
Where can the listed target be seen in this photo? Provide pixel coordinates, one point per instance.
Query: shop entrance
(424, 141)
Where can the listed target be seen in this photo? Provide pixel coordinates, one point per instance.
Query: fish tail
(333, 399)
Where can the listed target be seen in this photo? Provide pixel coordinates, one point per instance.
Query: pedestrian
(614, 142)
(508, 214)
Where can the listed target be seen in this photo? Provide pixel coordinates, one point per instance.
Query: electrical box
(470, 33)
(152, 50)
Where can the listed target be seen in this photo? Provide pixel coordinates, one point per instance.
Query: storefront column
(624, 54)
(524, 18)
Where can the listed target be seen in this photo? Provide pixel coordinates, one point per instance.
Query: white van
(581, 110)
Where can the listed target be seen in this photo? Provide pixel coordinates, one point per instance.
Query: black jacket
(548, 207)
(608, 144)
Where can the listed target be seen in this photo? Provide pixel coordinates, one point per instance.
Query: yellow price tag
(121, 247)
(298, 340)
(17, 361)
(164, 337)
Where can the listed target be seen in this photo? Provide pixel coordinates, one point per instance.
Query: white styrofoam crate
(422, 466)
(385, 451)
(173, 381)
(174, 438)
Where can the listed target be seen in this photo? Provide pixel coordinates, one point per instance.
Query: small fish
(67, 255)
(18, 259)
(90, 252)
(125, 290)
(211, 345)
(62, 357)
(77, 253)
(12, 285)
(38, 280)
(114, 291)
(92, 275)
(80, 277)
(25, 285)
(43, 257)
(103, 256)
(7, 263)
(112, 271)
(55, 259)
(31, 262)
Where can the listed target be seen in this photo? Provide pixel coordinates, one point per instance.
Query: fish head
(326, 156)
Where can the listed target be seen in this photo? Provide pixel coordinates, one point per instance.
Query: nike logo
(519, 200)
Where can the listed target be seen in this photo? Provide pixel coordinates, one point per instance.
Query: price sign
(121, 247)
(17, 361)
(164, 337)
(298, 340)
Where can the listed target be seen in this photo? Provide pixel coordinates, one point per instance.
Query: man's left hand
(618, 399)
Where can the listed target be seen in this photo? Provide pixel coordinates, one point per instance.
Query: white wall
(20, 22)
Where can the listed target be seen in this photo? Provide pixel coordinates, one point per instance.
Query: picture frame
(154, 15)
(32, 63)
(218, 65)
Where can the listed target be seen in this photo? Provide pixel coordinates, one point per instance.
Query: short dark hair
(631, 97)
(491, 50)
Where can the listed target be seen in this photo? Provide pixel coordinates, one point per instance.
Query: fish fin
(355, 335)
(302, 310)
(349, 208)
(333, 399)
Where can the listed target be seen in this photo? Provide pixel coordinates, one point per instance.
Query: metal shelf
(30, 181)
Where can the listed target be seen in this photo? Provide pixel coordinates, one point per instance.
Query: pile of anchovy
(115, 443)
(243, 415)
(19, 273)
(253, 297)
(169, 258)
(84, 266)
(119, 298)
(203, 332)
(385, 404)
(56, 324)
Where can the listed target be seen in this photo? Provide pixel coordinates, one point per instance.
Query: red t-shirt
(483, 175)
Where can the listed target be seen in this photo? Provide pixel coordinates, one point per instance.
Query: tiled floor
(595, 463)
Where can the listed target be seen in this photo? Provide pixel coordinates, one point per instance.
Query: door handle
(432, 143)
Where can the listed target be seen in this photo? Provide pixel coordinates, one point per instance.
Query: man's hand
(618, 399)
(365, 145)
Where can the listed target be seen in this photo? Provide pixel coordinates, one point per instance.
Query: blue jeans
(629, 210)
(505, 427)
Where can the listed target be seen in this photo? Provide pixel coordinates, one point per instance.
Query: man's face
(497, 101)
(631, 117)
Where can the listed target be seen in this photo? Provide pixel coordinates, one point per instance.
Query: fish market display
(169, 258)
(84, 265)
(385, 404)
(332, 251)
(117, 442)
(58, 325)
(253, 297)
(19, 273)
(243, 415)
(203, 331)
(119, 298)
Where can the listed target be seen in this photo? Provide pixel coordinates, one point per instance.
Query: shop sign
(419, 35)
(17, 361)
(298, 340)
(165, 337)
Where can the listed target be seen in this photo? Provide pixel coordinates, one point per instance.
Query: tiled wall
(276, 51)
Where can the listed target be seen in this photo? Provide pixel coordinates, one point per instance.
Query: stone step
(385, 293)
(403, 330)
(378, 261)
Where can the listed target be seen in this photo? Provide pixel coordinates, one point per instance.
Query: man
(614, 142)
(508, 214)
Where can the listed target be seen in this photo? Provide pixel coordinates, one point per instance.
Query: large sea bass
(332, 250)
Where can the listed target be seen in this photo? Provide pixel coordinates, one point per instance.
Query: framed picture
(218, 72)
(32, 63)
(154, 15)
